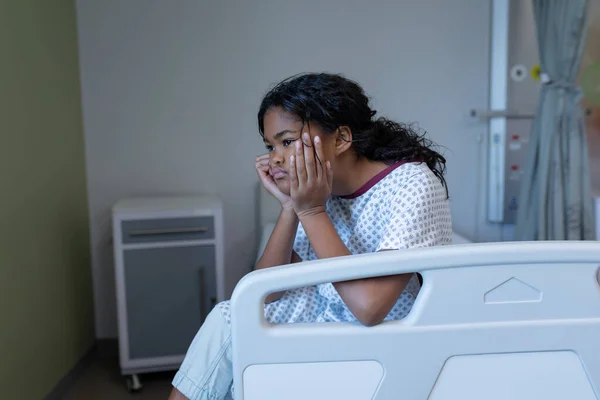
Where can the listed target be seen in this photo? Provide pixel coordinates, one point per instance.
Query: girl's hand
(262, 168)
(311, 178)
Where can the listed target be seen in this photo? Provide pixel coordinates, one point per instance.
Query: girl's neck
(351, 176)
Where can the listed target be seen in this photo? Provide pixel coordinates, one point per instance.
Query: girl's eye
(287, 142)
(269, 148)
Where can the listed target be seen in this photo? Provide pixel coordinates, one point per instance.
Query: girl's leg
(206, 372)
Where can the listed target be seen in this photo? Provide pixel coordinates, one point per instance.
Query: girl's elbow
(370, 321)
(370, 316)
(370, 305)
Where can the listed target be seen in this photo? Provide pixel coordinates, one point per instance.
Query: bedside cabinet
(169, 275)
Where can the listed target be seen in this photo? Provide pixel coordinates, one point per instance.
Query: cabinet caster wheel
(133, 383)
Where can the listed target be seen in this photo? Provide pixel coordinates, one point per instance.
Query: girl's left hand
(311, 178)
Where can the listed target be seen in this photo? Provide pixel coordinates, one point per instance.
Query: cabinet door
(169, 292)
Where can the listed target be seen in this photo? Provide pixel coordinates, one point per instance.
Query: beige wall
(46, 320)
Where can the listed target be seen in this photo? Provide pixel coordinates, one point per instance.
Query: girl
(347, 184)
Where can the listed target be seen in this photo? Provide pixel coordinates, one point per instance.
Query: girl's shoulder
(400, 179)
(408, 186)
(408, 174)
(411, 179)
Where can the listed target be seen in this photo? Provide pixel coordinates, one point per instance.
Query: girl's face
(281, 131)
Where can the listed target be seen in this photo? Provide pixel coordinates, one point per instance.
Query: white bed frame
(492, 321)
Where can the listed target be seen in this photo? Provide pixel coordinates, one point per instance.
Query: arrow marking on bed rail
(513, 291)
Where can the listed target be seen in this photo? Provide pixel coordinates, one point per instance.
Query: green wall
(46, 313)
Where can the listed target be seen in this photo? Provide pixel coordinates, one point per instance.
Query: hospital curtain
(556, 199)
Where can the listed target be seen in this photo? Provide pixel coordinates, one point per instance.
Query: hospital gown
(405, 206)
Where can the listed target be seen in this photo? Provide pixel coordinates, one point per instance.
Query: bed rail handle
(444, 271)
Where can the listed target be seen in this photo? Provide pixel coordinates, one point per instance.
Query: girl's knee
(206, 369)
(220, 313)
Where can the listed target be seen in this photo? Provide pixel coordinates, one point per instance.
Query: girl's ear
(343, 140)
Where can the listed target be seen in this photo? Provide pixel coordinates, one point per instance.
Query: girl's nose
(276, 158)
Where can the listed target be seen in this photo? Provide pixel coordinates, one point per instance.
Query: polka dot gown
(407, 208)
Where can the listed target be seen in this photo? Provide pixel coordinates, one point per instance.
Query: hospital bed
(491, 321)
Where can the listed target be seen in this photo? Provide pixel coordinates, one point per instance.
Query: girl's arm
(370, 300)
(279, 248)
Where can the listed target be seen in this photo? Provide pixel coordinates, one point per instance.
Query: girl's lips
(277, 173)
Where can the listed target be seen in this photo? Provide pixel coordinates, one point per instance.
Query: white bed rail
(538, 302)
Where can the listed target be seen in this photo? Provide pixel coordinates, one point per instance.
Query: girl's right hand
(262, 168)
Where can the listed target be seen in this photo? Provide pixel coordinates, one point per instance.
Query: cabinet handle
(202, 295)
(173, 231)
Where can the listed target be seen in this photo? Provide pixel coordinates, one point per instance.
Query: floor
(101, 380)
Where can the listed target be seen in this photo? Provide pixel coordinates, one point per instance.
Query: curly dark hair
(333, 101)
